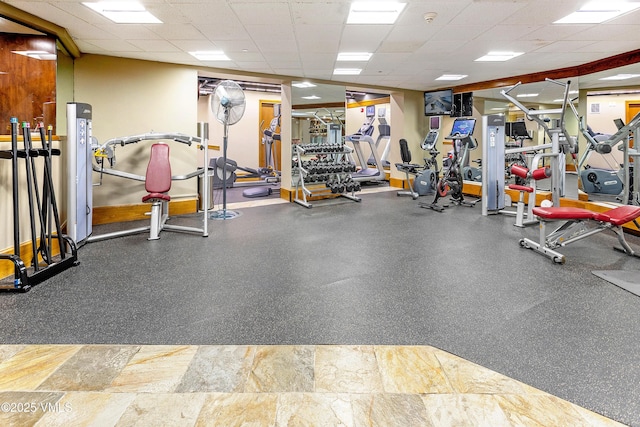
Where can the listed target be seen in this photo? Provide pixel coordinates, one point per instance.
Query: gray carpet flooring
(383, 271)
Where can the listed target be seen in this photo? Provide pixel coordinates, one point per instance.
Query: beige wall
(131, 97)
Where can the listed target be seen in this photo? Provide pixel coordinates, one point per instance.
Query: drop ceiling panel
(302, 37)
(332, 13)
(154, 46)
(115, 45)
(176, 31)
(498, 11)
(213, 13)
(276, 14)
(363, 38)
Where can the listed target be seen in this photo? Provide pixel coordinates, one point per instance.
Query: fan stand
(224, 213)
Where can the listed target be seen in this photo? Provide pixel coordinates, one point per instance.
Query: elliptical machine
(451, 181)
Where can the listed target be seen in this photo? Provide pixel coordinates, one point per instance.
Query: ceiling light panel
(452, 77)
(354, 56)
(621, 77)
(347, 71)
(596, 12)
(498, 56)
(123, 12)
(210, 55)
(303, 85)
(379, 12)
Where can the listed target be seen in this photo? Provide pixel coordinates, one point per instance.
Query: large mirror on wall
(603, 101)
(27, 76)
(315, 107)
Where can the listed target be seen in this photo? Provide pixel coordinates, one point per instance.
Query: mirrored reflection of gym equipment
(262, 180)
(561, 143)
(383, 139)
(631, 156)
(227, 104)
(597, 180)
(46, 236)
(364, 134)
(157, 179)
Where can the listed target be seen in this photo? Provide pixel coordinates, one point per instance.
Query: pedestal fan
(227, 104)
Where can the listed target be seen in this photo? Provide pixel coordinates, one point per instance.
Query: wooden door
(266, 115)
(633, 108)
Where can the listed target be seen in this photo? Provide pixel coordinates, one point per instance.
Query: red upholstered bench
(563, 213)
(579, 224)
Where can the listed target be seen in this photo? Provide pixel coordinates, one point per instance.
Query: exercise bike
(451, 181)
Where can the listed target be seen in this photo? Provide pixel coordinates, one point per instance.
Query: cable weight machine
(51, 251)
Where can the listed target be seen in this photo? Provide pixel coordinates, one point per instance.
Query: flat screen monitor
(463, 127)
(519, 130)
(438, 103)
(434, 122)
(370, 111)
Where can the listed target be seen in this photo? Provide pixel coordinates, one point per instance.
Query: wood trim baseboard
(134, 212)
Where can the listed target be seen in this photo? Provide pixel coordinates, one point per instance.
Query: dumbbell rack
(329, 174)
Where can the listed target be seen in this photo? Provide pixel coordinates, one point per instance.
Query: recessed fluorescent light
(123, 12)
(354, 56)
(210, 55)
(378, 12)
(527, 95)
(347, 71)
(596, 12)
(452, 77)
(498, 108)
(303, 85)
(311, 97)
(621, 77)
(499, 56)
(36, 54)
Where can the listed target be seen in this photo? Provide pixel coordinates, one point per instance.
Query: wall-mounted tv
(462, 105)
(438, 103)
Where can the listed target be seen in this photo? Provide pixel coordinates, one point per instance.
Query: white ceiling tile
(270, 33)
(176, 31)
(565, 46)
(331, 13)
(302, 37)
(115, 45)
(363, 38)
(274, 13)
(155, 46)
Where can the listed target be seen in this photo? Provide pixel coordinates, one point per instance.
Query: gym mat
(626, 279)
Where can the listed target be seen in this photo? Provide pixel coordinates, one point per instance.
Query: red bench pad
(620, 215)
(560, 213)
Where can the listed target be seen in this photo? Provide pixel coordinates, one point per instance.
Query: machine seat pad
(560, 213)
(521, 188)
(620, 215)
(156, 197)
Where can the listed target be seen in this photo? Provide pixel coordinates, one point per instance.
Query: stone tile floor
(168, 385)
